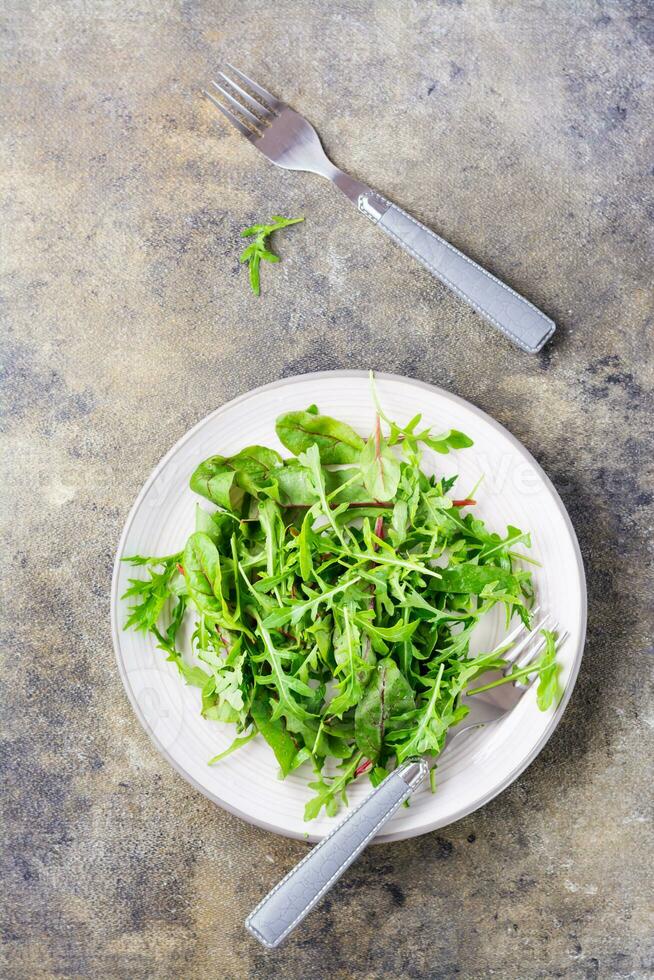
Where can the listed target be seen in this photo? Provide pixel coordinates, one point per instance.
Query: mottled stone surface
(519, 131)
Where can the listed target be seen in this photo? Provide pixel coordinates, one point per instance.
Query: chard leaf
(388, 694)
(204, 522)
(336, 441)
(255, 468)
(295, 485)
(214, 479)
(201, 563)
(380, 469)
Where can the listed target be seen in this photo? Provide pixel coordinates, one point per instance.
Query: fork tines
(526, 651)
(239, 110)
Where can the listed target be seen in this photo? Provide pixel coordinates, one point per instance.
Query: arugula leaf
(469, 579)
(427, 726)
(549, 689)
(453, 439)
(304, 547)
(351, 670)
(273, 529)
(274, 731)
(236, 744)
(286, 686)
(400, 632)
(329, 793)
(153, 593)
(226, 692)
(258, 250)
(295, 611)
(193, 675)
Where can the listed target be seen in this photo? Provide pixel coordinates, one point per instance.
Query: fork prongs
(517, 653)
(234, 120)
(523, 656)
(520, 628)
(245, 96)
(528, 643)
(238, 111)
(269, 100)
(254, 121)
(528, 658)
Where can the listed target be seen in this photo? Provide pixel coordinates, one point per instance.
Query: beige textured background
(522, 132)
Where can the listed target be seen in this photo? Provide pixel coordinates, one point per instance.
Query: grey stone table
(518, 131)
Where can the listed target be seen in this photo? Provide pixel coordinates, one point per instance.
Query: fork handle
(501, 306)
(303, 887)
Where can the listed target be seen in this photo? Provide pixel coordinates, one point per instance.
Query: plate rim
(554, 719)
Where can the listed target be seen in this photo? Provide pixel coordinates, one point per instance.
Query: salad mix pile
(334, 596)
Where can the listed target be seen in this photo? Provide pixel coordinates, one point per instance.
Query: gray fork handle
(501, 306)
(296, 894)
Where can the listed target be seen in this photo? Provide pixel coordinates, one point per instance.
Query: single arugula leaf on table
(258, 250)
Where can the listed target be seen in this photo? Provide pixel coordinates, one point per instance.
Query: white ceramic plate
(514, 490)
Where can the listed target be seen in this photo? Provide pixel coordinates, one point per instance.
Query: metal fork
(288, 140)
(292, 899)
(489, 706)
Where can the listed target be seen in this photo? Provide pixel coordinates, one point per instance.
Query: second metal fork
(293, 898)
(288, 140)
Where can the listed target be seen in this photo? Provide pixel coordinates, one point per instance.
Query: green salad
(334, 594)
